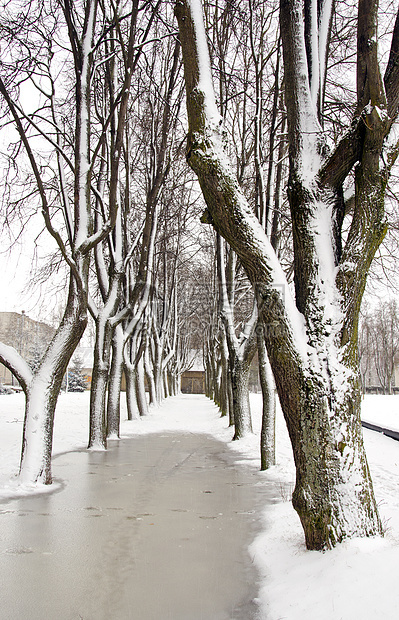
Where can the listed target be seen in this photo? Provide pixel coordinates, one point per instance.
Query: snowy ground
(357, 580)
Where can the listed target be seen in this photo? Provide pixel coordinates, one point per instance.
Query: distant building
(30, 339)
(193, 380)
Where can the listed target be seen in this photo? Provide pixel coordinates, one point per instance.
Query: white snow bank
(382, 411)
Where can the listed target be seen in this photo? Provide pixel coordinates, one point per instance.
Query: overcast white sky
(15, 292)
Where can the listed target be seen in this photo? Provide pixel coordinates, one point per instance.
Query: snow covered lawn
(357, 580)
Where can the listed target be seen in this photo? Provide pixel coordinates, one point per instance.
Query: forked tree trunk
(313, 351)
(43, 387)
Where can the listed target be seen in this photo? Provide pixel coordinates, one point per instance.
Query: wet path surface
(156, 528)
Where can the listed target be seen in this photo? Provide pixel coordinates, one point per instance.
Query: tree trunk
(140, 388)
(230, 399)
(177, 382)
(99, 384)
(268, 430)
(224, 361)
(165, 383)
(224, 402)
(313, 351)
(150, 377)
(157, 370)
(98, 396)
(329, 455)
(114, 385)
(240, 369)
(43, 392)
(131, 398)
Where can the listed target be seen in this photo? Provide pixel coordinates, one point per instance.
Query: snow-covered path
(156, 527)
(355, 580)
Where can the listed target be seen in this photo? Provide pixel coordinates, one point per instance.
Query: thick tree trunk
(239, 369)
(99, 384)
(98, 396)
(131, 398)
(315, 372)
(165, 383)
(333, 494)
(44, 389)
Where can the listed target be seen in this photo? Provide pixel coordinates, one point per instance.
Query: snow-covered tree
(313, 354)
(241, 344)
(64, 43)
(379, 345)
(35, 358)
(77, 381)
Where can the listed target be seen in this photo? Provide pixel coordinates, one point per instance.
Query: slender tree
(241, 347)
(75, 167)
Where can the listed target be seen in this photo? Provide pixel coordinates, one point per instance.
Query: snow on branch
(229, 210)
(16, 365)
(205, 83)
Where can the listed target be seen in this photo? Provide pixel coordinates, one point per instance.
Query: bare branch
(17, 365)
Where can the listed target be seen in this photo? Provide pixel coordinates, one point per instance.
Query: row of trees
(101, 151)
(91, 94)
(379, 346)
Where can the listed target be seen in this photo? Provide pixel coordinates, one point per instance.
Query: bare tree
(379, 345)
(34, 32)
(241, 346)
(314, 355)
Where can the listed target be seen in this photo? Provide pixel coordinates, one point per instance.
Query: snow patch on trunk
(205, 78)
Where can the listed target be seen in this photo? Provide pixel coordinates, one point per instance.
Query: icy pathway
(156, 528)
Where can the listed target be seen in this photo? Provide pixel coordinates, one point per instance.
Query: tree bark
(42, 388)
(268, 430)
(130, 374)
(315, 372)
(99, 382)
(240, 367)
(131, 397)
(150, 376)
(114, 384)
(140, 388)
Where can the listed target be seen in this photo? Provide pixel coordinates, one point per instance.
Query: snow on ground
(357, 580)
